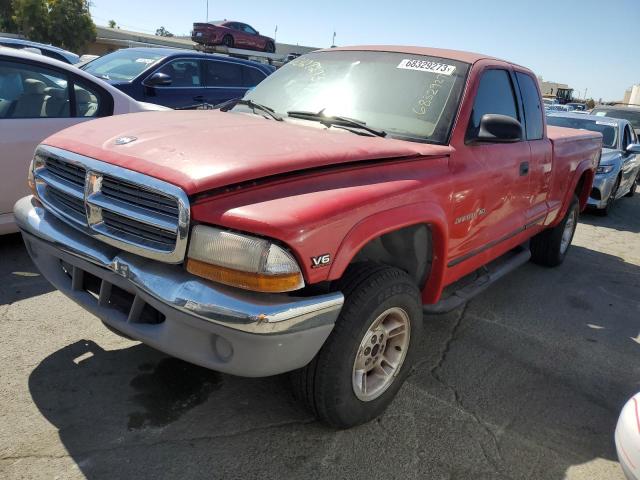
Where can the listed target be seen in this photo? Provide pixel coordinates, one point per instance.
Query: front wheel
(365, 360)
(635, 183)
(550, 246)
(270, 47)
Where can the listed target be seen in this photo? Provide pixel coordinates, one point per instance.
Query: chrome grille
(126, 209)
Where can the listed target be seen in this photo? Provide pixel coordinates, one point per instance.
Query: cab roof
(459, 55)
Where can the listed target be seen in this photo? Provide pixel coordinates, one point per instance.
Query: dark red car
(232, 35)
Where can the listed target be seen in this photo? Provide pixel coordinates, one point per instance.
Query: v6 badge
(320, 261)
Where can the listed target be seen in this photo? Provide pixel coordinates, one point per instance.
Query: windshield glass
(409, 96)
(122, 65)
(632, 116)
(609, 130)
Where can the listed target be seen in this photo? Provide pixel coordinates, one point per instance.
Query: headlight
(242, 261)
(604, 169)
(36, 162)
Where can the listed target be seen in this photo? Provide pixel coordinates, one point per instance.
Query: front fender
(387, 221)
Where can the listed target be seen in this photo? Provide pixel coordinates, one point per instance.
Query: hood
(609, 155)
(202, 150)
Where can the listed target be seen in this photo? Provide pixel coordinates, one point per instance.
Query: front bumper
(601, 189)
(218, 327)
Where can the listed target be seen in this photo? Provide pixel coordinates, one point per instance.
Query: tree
(70, 24)
(32, 19)
(112, 24)
(163, 32)
(7, 24)
(591, 104)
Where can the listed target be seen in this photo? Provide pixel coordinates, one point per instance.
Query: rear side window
(532, 107)
(252, 76)
(224, 74)
(29, 91)
(495, 95)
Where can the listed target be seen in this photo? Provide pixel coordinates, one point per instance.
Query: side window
(184, 73)
(248, 29)
(88, 100)
(252, 76)
(224, 74)
(30, 91)
(495, 95)
(532, 107)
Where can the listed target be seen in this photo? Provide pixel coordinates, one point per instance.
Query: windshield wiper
(336, 120)
(228, 105)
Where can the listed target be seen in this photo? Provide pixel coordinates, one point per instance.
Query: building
(550, 89)
(632, 95)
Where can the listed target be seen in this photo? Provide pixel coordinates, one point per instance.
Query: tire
(326, 384)
(269, 47)
(610, 200)
(227, 41)
(547, 247)
(631, 192)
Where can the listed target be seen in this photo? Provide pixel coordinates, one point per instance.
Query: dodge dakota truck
(310, 225)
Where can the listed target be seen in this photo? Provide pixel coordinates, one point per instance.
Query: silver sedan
(619, 171)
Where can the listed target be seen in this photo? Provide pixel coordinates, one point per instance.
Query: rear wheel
(227, 41)
(365, 360)
(550, 247)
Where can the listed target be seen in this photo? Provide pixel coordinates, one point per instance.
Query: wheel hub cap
(381, 354)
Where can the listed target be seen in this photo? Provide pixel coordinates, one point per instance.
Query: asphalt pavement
(525, 382)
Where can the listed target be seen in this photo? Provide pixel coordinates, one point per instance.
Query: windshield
(413, 97)
(124, 65)
(631, 115)
(609, 130)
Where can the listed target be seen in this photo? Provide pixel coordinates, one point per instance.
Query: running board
(484, 277)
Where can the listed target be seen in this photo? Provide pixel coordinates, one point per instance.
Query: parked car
(42, 48)
(618, 173)
(232, 35)
(556, 107)
(576, 106)
(626, 112)
(36, 101)
(177, 78)
(627, 438)
(309, 226)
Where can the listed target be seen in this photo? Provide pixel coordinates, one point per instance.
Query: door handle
(524, 169)
(198, 98)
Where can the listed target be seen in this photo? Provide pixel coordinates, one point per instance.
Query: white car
(627, 438)
(38, 97)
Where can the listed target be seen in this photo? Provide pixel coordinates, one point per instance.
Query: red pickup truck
(308, 226)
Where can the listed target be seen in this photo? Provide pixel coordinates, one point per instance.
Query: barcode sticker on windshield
(427, 66)
(609, 124)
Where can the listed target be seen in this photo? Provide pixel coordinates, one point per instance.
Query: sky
(588, 44)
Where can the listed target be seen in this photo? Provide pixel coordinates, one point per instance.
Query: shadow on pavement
(18, 282)
(525, 382)
(623, 210)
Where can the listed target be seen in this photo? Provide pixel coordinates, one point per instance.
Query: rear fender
(430, 214)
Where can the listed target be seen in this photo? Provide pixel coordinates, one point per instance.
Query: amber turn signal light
(249, 281)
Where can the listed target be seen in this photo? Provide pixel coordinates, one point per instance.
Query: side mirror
(497, 128)
(158, 79)
(633, 148)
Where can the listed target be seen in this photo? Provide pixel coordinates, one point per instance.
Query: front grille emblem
(125, 140)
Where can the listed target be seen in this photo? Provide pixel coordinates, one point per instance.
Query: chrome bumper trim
(170, 284)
